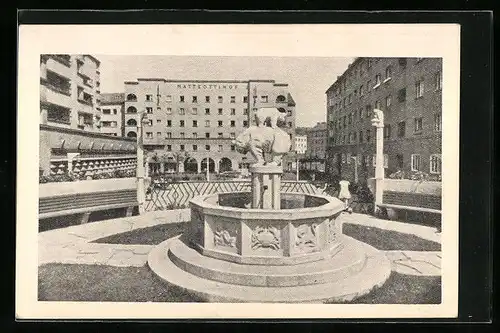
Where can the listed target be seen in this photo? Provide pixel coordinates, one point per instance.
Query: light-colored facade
(300, 144)
(408, 91)
(69, 90)
(199, 119)
(112, 105)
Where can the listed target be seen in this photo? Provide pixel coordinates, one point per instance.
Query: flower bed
(79, 177)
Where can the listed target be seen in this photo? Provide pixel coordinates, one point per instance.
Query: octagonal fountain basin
(231, 253)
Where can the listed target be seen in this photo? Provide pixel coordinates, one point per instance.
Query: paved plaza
(74, 245)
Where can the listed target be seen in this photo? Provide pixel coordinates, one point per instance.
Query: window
(245, 123)
(419, 89)
(207, 111)
(233, 112)
(388, 73)
(220, 112)
(149, 98)
(233, 99)
(195, 123)
(220, 99)
(360, 113)
(207, 123)
(415, 162)
(418, 125)
(360, 136)
(194, 111)
(263, 99)
(345, 121)
(437, 122)
(158, 121)
(207, 99)
(220, 135)
(169, 147)
(399, 161)
(401, 129)
(402, 62)
(195, 135)
(387, 131)
(195, 147)
(368, 135)
(181, 99)
(245, 99)
(169, 123)
(348, 158)
(232, 135)
(115, 111)
(182, 147)
(378, 81)
(245, 112)
(207, 147)
(219, 123)
(438, 81)
(368, 111)
(343, 158)
(435, 163)
(402, 95)
(207, 135)
(149, 110)
(181, 123)
(168, 98)
(182, 135)
(233, 147)
(169, 110)
(220, 148)
(195, 99)
(157, 109)
(131, 97)
(149, 135)
(233, 123)
(182, 111)
(106, 111)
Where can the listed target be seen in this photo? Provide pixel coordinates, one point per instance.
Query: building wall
(69, 86)
(301, 144)
(350, 103)
(196, 114)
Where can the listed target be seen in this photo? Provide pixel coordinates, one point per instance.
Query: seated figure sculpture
(261, 140)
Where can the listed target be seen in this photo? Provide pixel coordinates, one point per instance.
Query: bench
(86, 203)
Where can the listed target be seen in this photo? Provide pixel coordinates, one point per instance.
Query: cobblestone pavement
(73, 245)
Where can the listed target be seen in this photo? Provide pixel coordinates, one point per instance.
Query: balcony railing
(62, 58)
(86, 101)
(55, 87)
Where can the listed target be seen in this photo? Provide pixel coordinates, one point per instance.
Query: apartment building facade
(408, 91)
(198, 119)
(315, 154)
(69, 90)
(112, 113)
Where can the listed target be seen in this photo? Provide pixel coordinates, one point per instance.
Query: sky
(308, 77)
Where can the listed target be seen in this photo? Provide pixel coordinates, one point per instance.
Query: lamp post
(378, 123)
(141, 192)
(208, 169)
(297, 164)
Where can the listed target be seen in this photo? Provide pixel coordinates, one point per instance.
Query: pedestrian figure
(344, 194)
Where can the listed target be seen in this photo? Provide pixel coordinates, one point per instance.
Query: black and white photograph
(260, 171)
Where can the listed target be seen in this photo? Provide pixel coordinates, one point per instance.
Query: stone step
(374, 273)
(349, 260)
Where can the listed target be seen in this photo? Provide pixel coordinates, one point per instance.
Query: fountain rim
(332, 207)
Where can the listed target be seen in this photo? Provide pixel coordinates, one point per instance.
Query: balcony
(57, 87)
(53, 95)
(64, 59)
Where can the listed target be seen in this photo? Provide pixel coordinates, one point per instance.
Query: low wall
(86, 186)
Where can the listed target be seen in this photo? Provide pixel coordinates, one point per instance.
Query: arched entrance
(191, 165)
(170, 165)
(131, 134)
(211, 165)
(225, 164)
(132, 122)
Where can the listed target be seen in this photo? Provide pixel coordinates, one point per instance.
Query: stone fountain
(265, 246)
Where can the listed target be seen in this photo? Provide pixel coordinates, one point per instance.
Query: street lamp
(141, 193)
(297, 164)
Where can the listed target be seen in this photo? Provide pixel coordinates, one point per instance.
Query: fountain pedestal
(266, 185)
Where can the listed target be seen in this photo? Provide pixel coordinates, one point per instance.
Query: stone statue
(269, 115)
(260, 140)
(378, 118)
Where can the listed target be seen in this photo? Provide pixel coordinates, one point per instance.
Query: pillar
(162, 167)
(180, 167)
(216, 166)
(266, 186)
(378, 122)
(198, 166)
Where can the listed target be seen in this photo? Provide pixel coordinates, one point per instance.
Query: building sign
(207, 86)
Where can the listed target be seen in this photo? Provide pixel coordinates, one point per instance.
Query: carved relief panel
(306, 238)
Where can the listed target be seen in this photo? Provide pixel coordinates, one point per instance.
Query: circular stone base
(354, 271)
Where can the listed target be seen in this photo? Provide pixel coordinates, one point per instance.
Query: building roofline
(93, 58)
(206, 81)
(341, 76)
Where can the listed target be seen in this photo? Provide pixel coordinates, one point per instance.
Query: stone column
(378, 123)
(181, 167)
(162, 167)
(266, 185)
(198, 166)
(216, 166)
